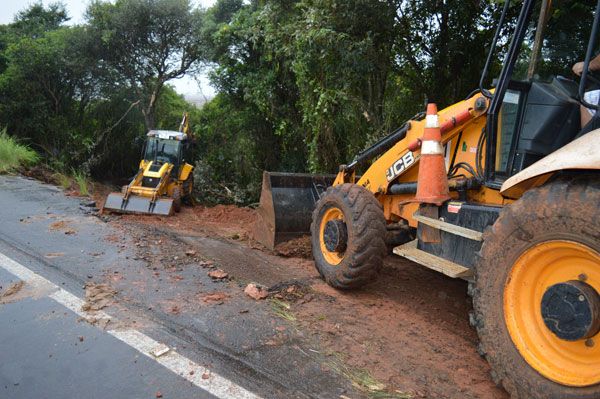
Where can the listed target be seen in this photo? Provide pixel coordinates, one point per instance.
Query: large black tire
(557, 217)
(359, 262)
(187, 188)
(176, 195)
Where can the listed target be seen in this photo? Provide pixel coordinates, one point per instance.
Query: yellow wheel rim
(332, 257)
(570, 363)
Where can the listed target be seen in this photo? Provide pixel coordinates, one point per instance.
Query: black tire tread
(566, 202)
(176, 199)
(366, 230)
(187, 187)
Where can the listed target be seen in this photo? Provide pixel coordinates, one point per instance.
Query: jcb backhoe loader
(501, 189)
(163, 180)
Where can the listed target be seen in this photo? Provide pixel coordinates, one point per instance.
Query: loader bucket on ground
(286, 204)
(138, 205)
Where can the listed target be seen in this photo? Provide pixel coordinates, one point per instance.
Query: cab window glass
(565, 38)
(507, 125)
(162, 150)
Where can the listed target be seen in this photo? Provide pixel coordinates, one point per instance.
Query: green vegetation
(63, 180)
(82, 181)
(362, 379)
(13, 154)
(302, 85)
(281, 309)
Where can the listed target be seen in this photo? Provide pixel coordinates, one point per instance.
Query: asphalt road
(51, 348)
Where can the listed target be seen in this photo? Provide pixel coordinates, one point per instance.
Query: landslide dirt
(406, 335)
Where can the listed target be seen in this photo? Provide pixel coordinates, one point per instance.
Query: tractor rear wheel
(536, 299)
(348, 236)
(187, 189)
(176, 195)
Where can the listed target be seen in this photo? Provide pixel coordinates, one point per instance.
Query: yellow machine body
(376, 181)
(163, 178)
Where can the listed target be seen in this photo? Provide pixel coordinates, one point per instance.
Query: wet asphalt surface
(48, 352)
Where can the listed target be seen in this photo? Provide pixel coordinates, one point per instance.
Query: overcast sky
(76, 9)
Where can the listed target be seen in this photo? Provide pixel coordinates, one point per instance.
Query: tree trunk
(150, 110)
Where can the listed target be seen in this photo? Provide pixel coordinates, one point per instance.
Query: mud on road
(405, 336)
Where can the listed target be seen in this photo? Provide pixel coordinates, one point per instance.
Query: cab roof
(167, 134)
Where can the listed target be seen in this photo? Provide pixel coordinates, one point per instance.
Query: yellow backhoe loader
(163, 180)
(501, 189)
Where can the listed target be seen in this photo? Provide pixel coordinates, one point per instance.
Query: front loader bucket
(138, 205)
(286, 204)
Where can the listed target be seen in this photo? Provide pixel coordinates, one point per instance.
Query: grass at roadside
(75, 180)
(362, 379)
(82, 181)
(281, 309)
(13, 154)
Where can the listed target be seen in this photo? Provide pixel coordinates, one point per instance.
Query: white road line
(196, 374)
(74, 303)
(215, 384)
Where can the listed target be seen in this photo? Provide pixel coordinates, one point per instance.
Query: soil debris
(12, 289)
(61, 226)
(214, 297)
(290, 291)
(206, 265)
(297, 248)
(255, 292)
(218, 274)
(41, 174)
(100, 323)
(410, 323)
(97, 296)
(53, 255)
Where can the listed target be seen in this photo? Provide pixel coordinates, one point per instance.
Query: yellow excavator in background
(501, 189)
(164, 178)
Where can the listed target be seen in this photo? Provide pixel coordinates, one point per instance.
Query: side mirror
(138, 140)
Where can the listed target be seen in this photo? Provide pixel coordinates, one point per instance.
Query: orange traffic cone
(432, 184)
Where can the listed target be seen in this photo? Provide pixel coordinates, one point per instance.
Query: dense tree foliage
(303, 85)
(65, 94)
(327, 78)
(147, 43)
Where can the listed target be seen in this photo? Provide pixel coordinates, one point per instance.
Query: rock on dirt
(255, 292)
(214, 297)
(206, 265)
(218, 274)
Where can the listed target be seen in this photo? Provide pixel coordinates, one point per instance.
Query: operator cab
(164, 146)
(536, 119)
(535, 109)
